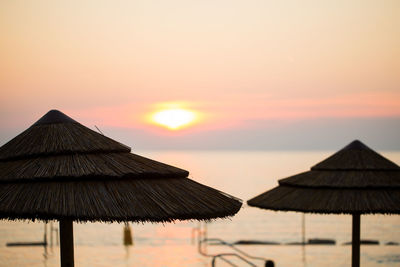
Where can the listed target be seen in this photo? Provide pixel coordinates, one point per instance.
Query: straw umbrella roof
(59, 169)
(356, 179)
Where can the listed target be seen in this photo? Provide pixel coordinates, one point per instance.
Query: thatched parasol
(61, 170)
(356, 180)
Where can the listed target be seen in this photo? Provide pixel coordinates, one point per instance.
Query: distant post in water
(128, 241)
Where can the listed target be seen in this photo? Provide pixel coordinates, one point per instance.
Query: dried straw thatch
(139, 199)
(59, 169)
(354, 180)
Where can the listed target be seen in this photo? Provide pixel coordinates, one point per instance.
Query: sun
(174, 118)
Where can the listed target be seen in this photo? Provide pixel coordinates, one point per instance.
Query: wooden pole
(303, 229)
(45, 239)
(355, 252)
(67, 243)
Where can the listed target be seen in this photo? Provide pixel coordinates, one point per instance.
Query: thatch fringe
(155, 200)
(345, 179)
(86, 166)
(56, 139)
(344, 201)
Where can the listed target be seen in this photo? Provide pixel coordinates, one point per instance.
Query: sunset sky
(255, 74)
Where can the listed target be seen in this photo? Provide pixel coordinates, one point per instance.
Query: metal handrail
(232, 246)
(221, 256)
(240, 253)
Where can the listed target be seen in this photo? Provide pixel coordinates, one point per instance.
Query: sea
(243, 174)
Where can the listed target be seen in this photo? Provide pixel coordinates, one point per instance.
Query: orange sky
(110, 63)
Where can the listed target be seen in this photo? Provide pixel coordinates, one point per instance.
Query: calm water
(243, 174)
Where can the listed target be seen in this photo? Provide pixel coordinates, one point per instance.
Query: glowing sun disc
(174, 118)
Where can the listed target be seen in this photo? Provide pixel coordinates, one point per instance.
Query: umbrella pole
(355, 252)
(67, 243)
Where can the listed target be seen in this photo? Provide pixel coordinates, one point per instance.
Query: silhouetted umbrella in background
(61, 170)
(356, 180)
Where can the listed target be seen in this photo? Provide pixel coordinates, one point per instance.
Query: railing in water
(239, 254)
